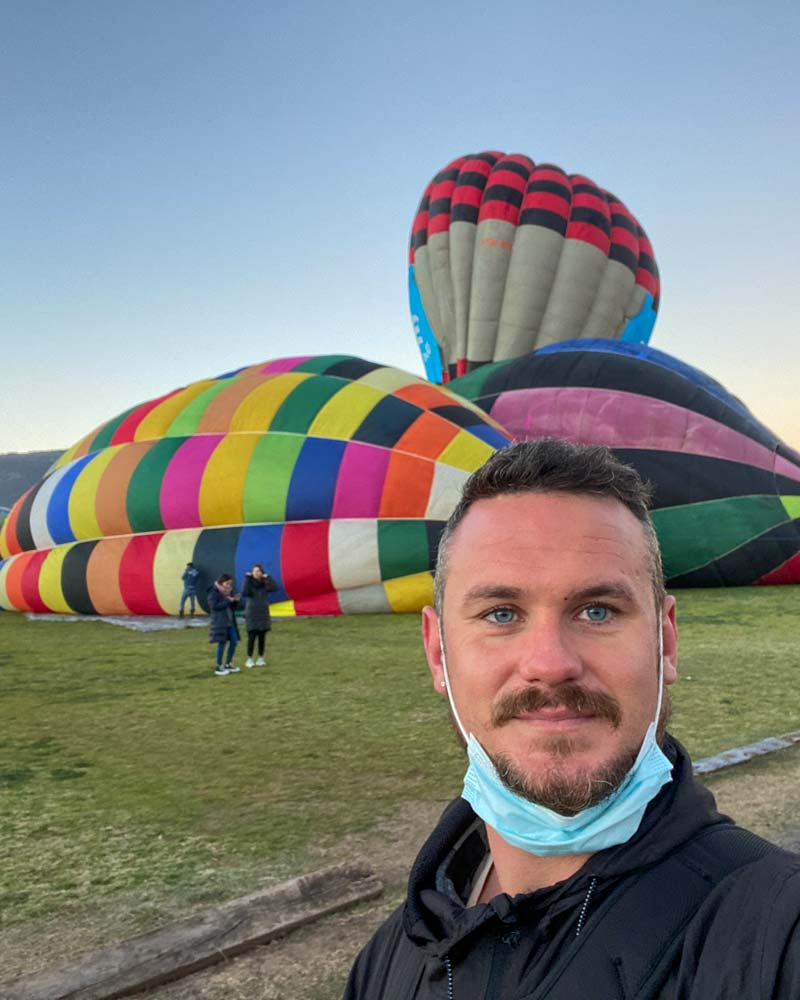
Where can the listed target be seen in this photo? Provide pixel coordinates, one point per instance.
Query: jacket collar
(435, 916)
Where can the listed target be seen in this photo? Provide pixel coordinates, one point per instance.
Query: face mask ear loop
(660, 667)
(453, 708)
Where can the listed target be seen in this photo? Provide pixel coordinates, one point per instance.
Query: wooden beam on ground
(191, 944)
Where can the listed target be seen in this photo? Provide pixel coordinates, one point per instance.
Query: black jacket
(220, 609)
(741, 943)
(256, 611)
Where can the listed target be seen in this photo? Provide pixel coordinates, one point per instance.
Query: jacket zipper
(449, 967)
(581, 918)
(582, 914)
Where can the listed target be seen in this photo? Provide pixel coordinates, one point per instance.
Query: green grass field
(130, 775)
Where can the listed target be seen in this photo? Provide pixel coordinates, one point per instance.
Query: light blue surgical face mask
(541, 831)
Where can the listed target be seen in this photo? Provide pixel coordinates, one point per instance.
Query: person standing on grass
(190, 578)
(582, 859)
(257, 587)
(222, 627)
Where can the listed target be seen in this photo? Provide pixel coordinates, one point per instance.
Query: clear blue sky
(191, 186)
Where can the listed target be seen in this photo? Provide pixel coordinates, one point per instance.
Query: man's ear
(433, 647)
(669, 635)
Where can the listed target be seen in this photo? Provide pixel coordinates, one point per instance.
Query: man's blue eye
(501, 616)
(596, 613)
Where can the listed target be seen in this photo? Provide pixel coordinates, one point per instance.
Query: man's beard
(567, 791)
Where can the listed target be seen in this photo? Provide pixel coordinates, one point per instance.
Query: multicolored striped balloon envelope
(337, 474)
(727, 490)
(507, 256)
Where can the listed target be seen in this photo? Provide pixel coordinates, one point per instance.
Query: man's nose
(548, 654)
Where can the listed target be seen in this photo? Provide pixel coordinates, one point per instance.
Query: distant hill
(19, 471)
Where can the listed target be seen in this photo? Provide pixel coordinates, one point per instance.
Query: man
(583, 860)
(190, 577)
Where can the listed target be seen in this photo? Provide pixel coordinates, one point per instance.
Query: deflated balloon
(726, 502)
(507, 256)
(337, 474)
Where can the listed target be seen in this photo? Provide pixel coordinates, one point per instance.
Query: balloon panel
(507, 255)
(726, 502)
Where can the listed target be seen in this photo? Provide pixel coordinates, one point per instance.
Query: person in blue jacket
(190, 578)
(222, 628)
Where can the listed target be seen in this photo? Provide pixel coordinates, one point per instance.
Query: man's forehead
(547, 528)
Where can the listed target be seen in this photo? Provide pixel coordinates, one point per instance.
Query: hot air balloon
(507, 256)
(726, 490)
(334, 472)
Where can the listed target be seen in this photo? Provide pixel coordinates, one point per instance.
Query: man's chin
(563, 778)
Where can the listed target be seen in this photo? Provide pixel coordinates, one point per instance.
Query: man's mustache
(572, 696)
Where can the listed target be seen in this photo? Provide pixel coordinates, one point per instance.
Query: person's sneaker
(261, 662)
(249, 662)
(231, 669)
(221, 671)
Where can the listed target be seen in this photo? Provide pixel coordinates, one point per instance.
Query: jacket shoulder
(747, 931)
(388, 967)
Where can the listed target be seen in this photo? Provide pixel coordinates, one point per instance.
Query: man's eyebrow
(492, 592)
(614, 589)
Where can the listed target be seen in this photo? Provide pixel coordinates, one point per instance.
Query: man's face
(226, 587)
(550, 630)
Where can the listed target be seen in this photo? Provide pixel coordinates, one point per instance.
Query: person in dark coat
(583, 859)
(222, 629)
(257, 587)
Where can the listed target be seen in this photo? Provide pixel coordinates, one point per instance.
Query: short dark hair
(224, 578)
(551, 465)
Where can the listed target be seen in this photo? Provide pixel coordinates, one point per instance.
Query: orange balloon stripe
(428, 436)
(407, 486)
(102, 576)
(112, 490)
(14, 576)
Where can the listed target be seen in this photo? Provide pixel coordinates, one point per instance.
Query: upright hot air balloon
(507, 256)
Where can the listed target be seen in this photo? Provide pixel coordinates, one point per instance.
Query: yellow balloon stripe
(174, 550)
(387, 379)
(81, 509)
(221, 497)
(344, 412)
(409, 593)
(466, 452)
(792, 506)
(50, 589)
(257, 410)
(283, 609)
(158, 421)
(5, 604)
(72, 452)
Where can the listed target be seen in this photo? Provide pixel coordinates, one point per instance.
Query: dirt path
(312, 964)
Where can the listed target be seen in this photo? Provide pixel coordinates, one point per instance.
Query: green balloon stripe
(320, 365)
(144, 490)
(696, 534)
(298, 411)
(103, 437)
(269, 473)
(402, 548)
(185, 424)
